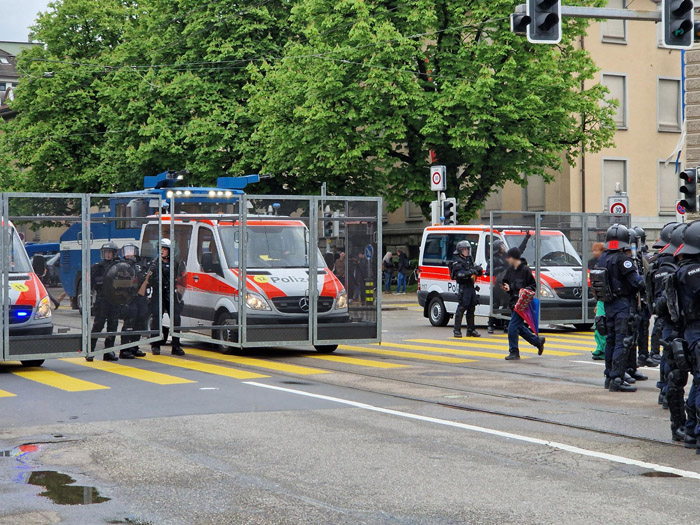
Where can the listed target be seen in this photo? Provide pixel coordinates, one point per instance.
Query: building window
(669, 105)
(535, 193)
(668, 184)
(614, 173)
(614, 31)
(3, 60)
(413, 212)
(617, 85)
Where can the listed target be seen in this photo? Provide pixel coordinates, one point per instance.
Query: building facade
(646, 80)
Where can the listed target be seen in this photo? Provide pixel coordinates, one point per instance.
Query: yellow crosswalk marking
(57, 380)
(203, 367)
(488, 346)
(355, 361)
(5, 393)
(411, 355)
(130, 371)
(258, 363)
(470, 353)
(553, 338)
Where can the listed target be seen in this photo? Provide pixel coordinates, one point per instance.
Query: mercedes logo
(577, 293)
(304, 304)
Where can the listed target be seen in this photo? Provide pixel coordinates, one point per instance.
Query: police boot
(126, 354)
(606, 385)
(629, 379)
(662, 399)
(618, 385)
(110, 356)
(654, 359)
(677, 433)
(690, 441)
(642, 360)
(638, 375)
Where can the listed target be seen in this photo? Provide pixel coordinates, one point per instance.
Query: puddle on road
(657, 474)
(59, 489)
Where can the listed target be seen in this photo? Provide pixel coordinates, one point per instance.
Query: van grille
(292, 305)
(572, 292)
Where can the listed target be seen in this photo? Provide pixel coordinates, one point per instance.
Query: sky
(17, 16)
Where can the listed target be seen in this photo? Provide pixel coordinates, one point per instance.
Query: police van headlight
(255, 301)
(546, 291)
(341, 300)
(44, 309)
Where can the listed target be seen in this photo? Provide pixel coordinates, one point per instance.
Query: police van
(206, 256)
(29, 305)
(561, 271)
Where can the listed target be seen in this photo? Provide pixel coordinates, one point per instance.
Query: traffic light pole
(602, 13)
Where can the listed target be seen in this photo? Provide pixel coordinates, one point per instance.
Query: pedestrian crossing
(167, 371)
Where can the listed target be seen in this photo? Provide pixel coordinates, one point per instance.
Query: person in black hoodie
(517, 277)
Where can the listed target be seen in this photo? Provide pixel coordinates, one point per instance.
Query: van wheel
(583, 327)
(326, 349)
(33, 362)
(436, 312)
(225, 334)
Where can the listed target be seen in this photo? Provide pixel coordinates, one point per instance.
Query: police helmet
(130, 250)
(634, 239)
(165, 243)
(691, 240)
(617, 238)
(665, 235)
(676, 239)
(109, 247)
(641, 234)
(498, 246)
(462, 245)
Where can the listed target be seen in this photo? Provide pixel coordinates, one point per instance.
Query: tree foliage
(355, 93)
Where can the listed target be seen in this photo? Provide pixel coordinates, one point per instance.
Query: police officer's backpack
(601, 285)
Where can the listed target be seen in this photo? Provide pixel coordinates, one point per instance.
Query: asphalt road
(421, 429)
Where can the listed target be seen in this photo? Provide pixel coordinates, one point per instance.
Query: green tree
(372, 87)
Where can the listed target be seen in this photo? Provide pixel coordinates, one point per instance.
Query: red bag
(525, 297)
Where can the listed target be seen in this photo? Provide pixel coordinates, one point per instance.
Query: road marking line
(355, 361)
(57, 380)
(5, 393)
(484, 430)
(203, 367)
(472, 353)
(565, 341)
(258, 363)
(130, 371)
(499, 346)
(410, 355)
(646, 368)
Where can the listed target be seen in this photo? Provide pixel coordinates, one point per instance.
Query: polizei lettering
(288, 279)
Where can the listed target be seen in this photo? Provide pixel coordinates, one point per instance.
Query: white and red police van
(206, 250)
(29, 305)
(560, 271)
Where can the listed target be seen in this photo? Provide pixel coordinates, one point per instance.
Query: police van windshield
(269, 246)
(19, 261)
(555, 249)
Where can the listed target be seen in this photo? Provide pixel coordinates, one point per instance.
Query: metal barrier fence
(243, 271)
(558, 248)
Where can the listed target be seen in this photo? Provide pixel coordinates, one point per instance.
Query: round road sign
(680, 209)
(437, 177)
(618, 208)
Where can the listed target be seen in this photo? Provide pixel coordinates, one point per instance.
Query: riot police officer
(686, 348)
(161, 290)
(135, 312)
(105, 311)
(615, 281)
(640, 251)
(464, 271)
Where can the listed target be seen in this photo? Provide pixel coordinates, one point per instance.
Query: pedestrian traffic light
(677, 23)
(449, 211)
(519, 23)
(689, 188)
(545, 21)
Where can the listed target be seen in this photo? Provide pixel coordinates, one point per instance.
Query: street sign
(618, 204)
(438, 178)
(369, 251)
(680, 212)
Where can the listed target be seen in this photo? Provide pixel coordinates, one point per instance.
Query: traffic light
(696, 31)
(690, 189)
(677, 23)
(328, 225)
(449, 211)
(519, 23)
(545, 21)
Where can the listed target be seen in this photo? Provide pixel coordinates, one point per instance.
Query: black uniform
(642, 328)
(135, 313)
(174, 311)
(105, 312)
(464, 271)
(661, 269)
(624, 282)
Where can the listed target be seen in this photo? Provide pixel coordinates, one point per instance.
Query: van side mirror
(39, 265)
(208, 264)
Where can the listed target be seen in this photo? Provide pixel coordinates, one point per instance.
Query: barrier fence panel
(205, 233)
(559, 251)
(349, 237)
(37, 319)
